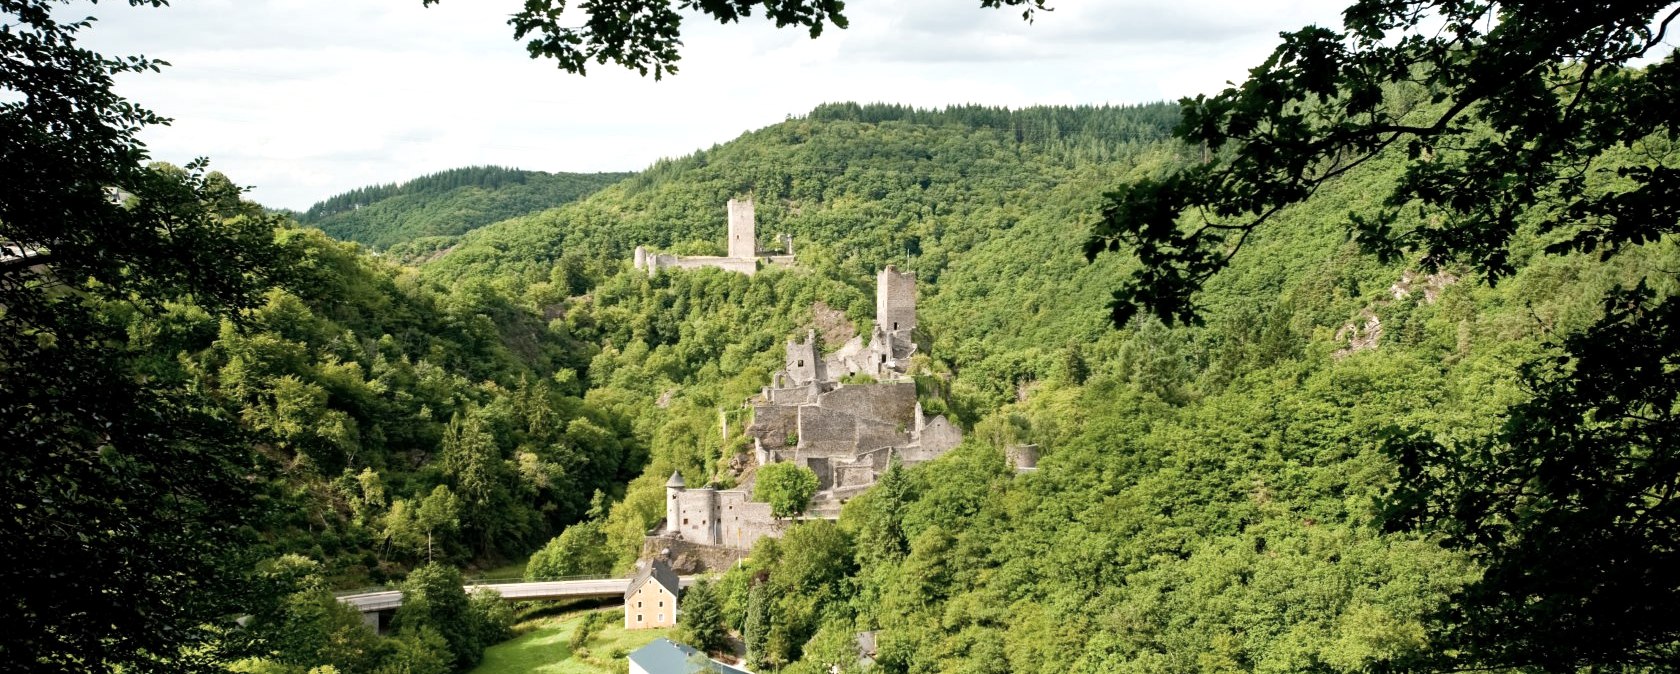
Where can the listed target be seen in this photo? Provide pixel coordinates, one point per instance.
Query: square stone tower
(743, 237)
(895, 301)
(804, 361)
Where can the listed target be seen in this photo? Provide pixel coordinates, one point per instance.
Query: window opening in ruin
(895, 325)
(883, 358)
(801, 364)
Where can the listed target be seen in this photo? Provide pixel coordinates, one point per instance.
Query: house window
(661, 604)
(638, 604)
(685, 520)
(659, 618)
(638, 617)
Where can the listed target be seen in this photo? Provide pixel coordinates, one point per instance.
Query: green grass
(541, 647)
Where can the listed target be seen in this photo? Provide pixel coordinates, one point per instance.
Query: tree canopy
(1521, 123)
(788, 488)
(127, 497)
(644, 35)
(1508, 112)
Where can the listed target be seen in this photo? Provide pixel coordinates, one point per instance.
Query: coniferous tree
(701, 625)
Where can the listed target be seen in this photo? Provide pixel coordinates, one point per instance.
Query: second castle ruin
(744, 255)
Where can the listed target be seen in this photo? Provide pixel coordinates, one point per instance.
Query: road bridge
(372, 602)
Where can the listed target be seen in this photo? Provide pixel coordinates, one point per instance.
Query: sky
(304, 99)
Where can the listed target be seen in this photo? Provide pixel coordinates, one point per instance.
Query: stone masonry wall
(939, 435)
(893, 402)
(742, 522)
(826, 432)
(688, 557)
(772, 424)
(873, 434)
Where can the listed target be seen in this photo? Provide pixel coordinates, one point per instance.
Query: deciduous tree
(786, 487)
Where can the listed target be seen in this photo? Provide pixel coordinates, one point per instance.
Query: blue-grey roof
(663, 656)
(657, 570)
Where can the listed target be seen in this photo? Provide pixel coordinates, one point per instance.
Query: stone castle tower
(743, 237)
(895, 301)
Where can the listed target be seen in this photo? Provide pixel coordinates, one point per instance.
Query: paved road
(386, 600)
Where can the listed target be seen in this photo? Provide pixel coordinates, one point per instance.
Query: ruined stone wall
(824, 469)
(938, 436)
(1022, 457)
(873, 434)
(688, 557)
(844, 361)
(877, 458)
(888, 402)
(791, 396)
(743, 522)
(746, 266)
(804, 364)
(854, 475)
(825, 432)
(772, 424)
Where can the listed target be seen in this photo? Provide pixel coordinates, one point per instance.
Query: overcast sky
(303, 99)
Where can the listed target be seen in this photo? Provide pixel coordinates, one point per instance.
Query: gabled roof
(656, 570)
(663, 656)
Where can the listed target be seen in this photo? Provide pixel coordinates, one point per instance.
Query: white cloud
(307, 98)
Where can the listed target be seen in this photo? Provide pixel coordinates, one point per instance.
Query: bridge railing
(472, 582)
(544, 579)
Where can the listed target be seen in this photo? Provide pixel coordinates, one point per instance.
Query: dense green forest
(426, 212)
(1209, 496)
(1214, 489)
(1366, 364)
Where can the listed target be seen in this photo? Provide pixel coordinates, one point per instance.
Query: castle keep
(846, 433)
(744, 255)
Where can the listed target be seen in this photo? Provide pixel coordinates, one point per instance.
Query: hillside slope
(1209, 497)
(446, 204)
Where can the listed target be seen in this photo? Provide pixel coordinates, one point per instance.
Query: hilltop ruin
(744, 255)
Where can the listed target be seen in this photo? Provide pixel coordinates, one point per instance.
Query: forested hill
(447, 203)
(1209, 495)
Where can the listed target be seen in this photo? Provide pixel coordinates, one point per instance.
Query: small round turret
(673, 509)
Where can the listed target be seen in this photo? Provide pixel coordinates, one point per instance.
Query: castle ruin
(847, 433)
(742, 244)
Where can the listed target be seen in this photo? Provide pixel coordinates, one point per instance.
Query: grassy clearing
(542, 647)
